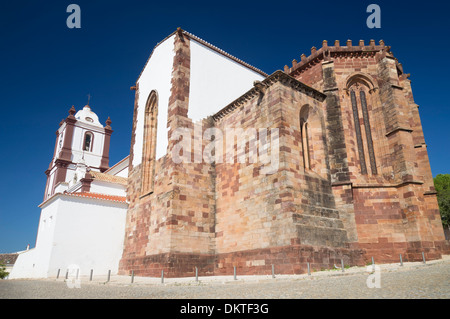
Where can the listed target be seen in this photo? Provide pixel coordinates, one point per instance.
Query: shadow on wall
(447, 233)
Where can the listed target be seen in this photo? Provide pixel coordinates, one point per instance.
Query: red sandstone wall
(395, 210)
(219, 216)
(287, 218)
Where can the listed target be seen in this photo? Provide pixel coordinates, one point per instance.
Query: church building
(232, 167)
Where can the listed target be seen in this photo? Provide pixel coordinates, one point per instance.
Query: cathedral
(232, 168)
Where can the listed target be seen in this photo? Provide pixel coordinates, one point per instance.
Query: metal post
(57, 275)
(342, 264)
(132, 276)
(196, 274)
(234, 272)
(309, 270)
(109, 275)
(373, 264)
(92, 274)
(401, 260)
(78, 271)
(67, 274)
(273, 271)
(162, 276)
(423, 257)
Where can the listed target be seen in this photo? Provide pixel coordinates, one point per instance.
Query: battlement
(326, 53)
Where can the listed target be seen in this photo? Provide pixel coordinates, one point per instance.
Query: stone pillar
(335, 129)
(104, 164)
(339, 171)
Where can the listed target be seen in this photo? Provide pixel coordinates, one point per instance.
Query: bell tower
(81, 138)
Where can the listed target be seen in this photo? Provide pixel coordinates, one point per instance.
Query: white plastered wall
(34, 263)
(157, 76)
(103, 187)
(215, 81)
(122, 173)
(78, 231)
(92, 158)
(90, 234)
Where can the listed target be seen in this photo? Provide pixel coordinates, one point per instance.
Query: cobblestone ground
(426, 281)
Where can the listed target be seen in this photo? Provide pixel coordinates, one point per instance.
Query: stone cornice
(373, 185)
(277, 76)
(399, 129)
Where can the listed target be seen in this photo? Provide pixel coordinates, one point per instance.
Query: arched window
(306, 152)
(149, 144)
(88, 142)
(359, 87)
(313, 140)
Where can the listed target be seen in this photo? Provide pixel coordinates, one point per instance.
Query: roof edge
(56, 195)
(270, 80)
(117, 164)
(224, 53)
(207, 44)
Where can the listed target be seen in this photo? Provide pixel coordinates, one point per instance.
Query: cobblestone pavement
(413, 280)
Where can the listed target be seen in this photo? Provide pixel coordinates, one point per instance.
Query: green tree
(442, 186)
(3, 272)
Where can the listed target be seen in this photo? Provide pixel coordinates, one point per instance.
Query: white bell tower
(81, 140)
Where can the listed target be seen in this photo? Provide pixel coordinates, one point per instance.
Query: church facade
(352, 181)
(231, 167)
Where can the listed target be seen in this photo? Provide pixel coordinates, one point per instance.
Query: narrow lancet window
(361, 90)
(359, 142)
(149, 147)
(305, 137)
(373, 164)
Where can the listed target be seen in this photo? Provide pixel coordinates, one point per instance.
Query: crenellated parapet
(327, 53)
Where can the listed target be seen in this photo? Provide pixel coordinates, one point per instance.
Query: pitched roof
(273, 78)
(8, 259)
(113, 198)
(117, 164)
(108, 178)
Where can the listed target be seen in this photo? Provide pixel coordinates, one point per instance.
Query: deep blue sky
(46, 68)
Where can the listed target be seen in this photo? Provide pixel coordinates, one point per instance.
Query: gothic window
(359, 88)
(313, 144)
(149, 143)
(304, 135)
(88, 139)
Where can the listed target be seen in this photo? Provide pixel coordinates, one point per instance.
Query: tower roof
(87, 116)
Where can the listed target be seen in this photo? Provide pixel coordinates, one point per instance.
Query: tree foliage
(3, 272)
(442, 186)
